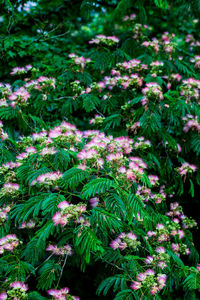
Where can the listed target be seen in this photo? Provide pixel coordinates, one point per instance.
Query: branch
(62, 270)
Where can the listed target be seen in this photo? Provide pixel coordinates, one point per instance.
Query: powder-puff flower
(154, 289)
(160, 226)
(162, 264)
(149, 260)
(136, 285)
(160, 250)
(57, 218)
(141, 276)
(94, 201)
(63, 204)
(132, 236)
(161, 279)
(175, 247)
(115, 244)
(198, 267)
(150, 272)
(3, 296)
(151, 233)
(19, 285)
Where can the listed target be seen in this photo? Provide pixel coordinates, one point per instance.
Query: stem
(62, 271)
(40, 265)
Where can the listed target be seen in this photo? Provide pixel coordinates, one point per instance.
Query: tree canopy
(100, 146)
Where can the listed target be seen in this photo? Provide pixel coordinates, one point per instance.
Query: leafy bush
(112, 193)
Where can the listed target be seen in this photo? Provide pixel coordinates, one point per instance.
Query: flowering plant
(99, 140)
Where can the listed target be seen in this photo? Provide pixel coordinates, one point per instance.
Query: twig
(40, 265)
(62, 270)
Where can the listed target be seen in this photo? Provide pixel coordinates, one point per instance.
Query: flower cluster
(76, 88)
(67, 212)
(186, 168)
(97, 120)
(79, 60)
(9, 243)
(6, 90)
(190, 89)
(140, 31)
(129, 18)
(133, 65)
(178, 217)
(154, 44)
(104, 151)
(9, 189)
(172, 234)
(19, 97)
(160, 259)
(17, 291)
(28, 225)
(3, 135)
(124, 82)
(196, 60)
(8, 167)
(141, 144)
(166, 44)
(104, 40)
(125, 240)
(41, 84)
(145, 194)
(65, 250)
(192, 41)
(47, 179)
(151, 281)
(156, 68)
(22, 70)
(120, 81)
(94, 201)
(152, 91)
(4, 213)
(22, 95)
(61, 294)
(134, 171)
(192, 123)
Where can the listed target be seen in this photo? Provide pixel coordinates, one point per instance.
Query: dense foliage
(100, 145)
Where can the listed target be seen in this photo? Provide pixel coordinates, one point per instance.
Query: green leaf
(96, 186)
(48, 274)
(135, 207)
(73, 177)
(90, 102)
(87, 242)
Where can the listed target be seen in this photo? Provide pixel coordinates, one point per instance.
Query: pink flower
(57, 218)
(94, 201)
(150, 272)
(161, 279)
(141, 276)
(151, 233)
(175, 247)
(160, 226)
(115, 244)
(136, 285)
(149, 260)
(19, 285)
(3, 296)
(162, 264)
(154, 289)
(198, 267)
(63, 204)
(132, 236)
(160, 250)
(122, 245)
